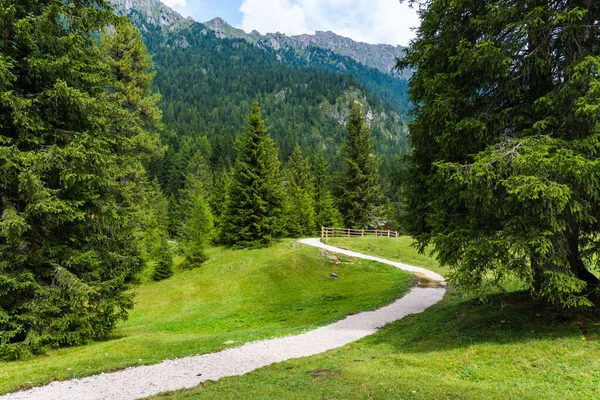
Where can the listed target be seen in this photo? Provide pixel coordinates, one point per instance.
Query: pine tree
(253, 211)
(155, 220)
(300, 203)
(197, 220)
(326, 212)
(164, 262)
(218, 196)
(75, 128)
(504, 178)
(360, 193)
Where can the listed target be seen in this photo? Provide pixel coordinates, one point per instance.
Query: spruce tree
(326, 212)
(253, 213)
(504, 179)
(300, 201)
(360, 194)
(155, 221)
(75, 128)
(218, 196)
(197, 220)
(164, 262)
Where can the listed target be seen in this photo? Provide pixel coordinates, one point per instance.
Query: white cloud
(172, 3)
(273, 16)
(373, 21)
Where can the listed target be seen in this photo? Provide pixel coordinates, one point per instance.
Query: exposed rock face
(152, 12)
(379, 56)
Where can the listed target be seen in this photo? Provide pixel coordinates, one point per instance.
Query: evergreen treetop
(74, 131)
(300, 209)
(360, 192)
(504, 174)
(252, 216)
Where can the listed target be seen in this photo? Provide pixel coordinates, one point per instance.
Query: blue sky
(372, 21)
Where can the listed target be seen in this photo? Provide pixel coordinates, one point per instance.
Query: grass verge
(395, 249)
(236, 297)
(507, 348)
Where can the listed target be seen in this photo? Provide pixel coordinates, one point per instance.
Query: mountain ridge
(379, 56)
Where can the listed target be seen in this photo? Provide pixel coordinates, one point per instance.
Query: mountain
(372, 65)
(378, 56)
(151, 12)
(208, 80)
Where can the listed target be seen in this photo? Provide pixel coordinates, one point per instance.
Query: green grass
(396, 249)
(236, 297)
(507, 348)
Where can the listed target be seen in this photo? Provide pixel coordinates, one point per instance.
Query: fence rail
(327, 233)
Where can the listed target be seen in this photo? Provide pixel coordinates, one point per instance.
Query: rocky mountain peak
(151, 12)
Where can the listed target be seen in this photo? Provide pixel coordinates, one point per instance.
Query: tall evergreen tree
(360, 195)
(155, 221)
(504, 177)
(326, 212)
(218, 196)
(197, 220)
(253, 213)
(300, 201)
(71, 171)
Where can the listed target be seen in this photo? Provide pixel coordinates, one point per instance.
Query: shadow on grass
(458, 322)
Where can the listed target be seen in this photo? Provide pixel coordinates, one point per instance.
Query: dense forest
(208, 85)
(155, 136)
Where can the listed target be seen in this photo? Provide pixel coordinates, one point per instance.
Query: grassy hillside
(457, 349)
(236, 297)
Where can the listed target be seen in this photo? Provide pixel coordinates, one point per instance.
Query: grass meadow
(235, 297)
(506, 348)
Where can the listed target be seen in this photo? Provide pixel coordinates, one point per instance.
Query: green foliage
(360, 195)
(218, 196)
(300, 200)
(207, 91)
(76, 121)
(155, 222)
(236, 297)
(164, 263)
(504, 175)
(252, 216)
(326, 212)
(197, 220)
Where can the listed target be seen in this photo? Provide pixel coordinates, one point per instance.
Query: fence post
(348, 232)
(376, 233)
(362, 233)
(326, 232)
(388, 233)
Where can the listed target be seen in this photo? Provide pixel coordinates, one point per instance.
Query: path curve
(138, 382)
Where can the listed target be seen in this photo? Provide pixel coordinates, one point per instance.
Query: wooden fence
(327, 233)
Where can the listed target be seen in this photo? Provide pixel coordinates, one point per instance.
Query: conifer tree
(164, 262)
(253, 211)
(360, 192)
(326, 212)
(218, 196)
(300, 201)
(75, 128)
(197, 220)
(155, 220)
(503, 178)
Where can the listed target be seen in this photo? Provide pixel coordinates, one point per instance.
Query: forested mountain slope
(207, 86)
(371, 64)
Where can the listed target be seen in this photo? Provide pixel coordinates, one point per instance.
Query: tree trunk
(574, 258)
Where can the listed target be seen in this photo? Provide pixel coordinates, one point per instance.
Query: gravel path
(137, 382)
